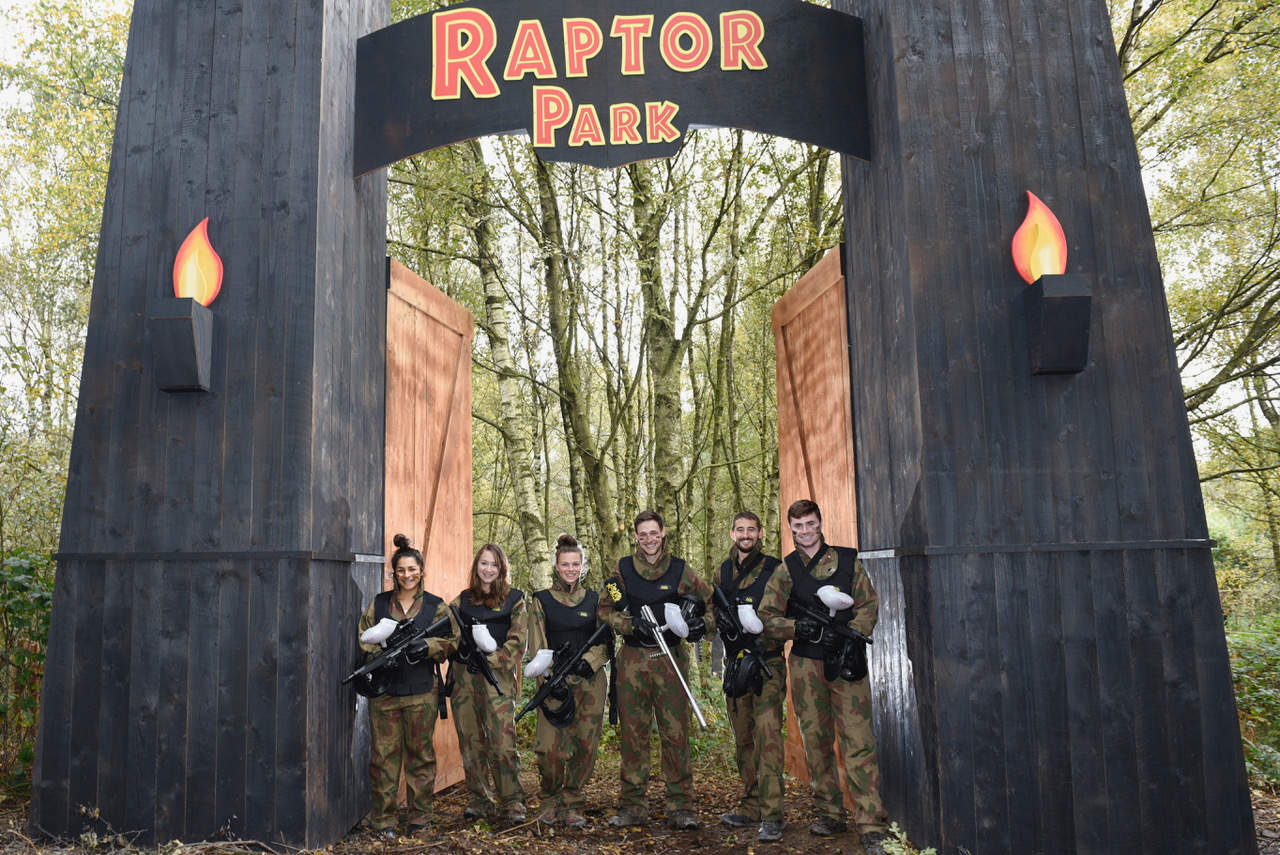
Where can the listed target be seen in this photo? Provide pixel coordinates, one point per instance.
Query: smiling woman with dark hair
(494, 616)
(403, 706)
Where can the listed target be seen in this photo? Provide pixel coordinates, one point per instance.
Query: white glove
(749, 619)
(379, 632)
(834, 599)
(540, 662)
(675, 620)
(483, 638)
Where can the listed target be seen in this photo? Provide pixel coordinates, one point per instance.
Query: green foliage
(898, 844)
(1255, 662)
(26, 596)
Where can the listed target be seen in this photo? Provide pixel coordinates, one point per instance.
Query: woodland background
(624, 357)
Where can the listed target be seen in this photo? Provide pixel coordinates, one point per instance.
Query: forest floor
(716, 793)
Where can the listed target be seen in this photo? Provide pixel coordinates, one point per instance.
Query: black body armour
(804, 589)
(410, 679)
(656, 593)
(729, 583)
(497, 620)
(570, 625)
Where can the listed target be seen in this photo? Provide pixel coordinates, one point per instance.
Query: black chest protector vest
(804, 589)
(570, 625)
(730, 577)
(653, 593)
(497, 620)
(407, 679)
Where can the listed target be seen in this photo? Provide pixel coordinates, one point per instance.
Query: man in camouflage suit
(647, 690)
(756, 716)
(826, 708)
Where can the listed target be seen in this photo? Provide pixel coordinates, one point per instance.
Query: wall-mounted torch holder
(1057, 310)
(181, 344)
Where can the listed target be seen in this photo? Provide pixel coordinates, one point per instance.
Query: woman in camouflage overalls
(562, 619)
(403, 719)
(494, 615)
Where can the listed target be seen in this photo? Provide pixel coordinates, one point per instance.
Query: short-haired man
(647, 690)
(829, 703)
(752, 697)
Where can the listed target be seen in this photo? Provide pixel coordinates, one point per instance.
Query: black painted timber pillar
(210, 570)
(1051, 673)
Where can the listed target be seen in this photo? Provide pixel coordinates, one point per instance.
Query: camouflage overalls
(826, 709)
(484, 720)
(403, 721)
(649, 693)
(757, 720)
(567, 756)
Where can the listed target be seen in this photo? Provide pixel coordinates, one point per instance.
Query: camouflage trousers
(486, 729)
(825, 710)
(402, 728)
(567, 756)
(757, 745)
(649, 693)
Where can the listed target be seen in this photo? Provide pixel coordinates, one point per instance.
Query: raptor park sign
(608, 82)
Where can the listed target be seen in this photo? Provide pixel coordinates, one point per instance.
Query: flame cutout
(197, 269)
(1039, 246)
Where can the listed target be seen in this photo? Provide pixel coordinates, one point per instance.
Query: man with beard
(753, 698)
(829, 702)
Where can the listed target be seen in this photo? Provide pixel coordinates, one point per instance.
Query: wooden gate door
(815, 421)
(428, 470)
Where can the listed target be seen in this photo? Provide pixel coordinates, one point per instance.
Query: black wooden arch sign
(608, 82)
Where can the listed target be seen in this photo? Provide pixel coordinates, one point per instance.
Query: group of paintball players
(819, 598)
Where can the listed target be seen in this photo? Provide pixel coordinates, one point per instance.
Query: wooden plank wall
(1039, 542)
(815, 423)
(428, 441)
(195, 688)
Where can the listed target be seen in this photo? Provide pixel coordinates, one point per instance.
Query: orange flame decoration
(1039, 246)
(197, 269)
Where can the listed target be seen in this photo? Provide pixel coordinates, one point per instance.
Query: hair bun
(402, 541)
(566, 540)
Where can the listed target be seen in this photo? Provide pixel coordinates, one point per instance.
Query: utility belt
(673, 641)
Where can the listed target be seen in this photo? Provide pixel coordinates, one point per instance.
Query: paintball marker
(407, 640)
(470, 655)
(550, 686)
(646, 614)
(737, 638)
(846, 648)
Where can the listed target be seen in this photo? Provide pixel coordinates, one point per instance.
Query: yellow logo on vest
(615, 593)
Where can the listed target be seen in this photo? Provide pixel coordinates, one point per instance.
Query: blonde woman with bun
(402, 715)
(494, 617)
(562, 619)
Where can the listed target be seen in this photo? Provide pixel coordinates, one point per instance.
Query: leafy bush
(1255, 662)
(26, 597)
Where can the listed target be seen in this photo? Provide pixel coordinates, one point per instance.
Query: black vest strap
(570, 625)
(653, 593)
(407, 679)
(804, 589)
(497, 620)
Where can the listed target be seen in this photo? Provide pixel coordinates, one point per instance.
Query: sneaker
(547, 816)
(515, 816)
(683, 820)
(626, 818)
(573, 819)
(384, 835)
(771, 832)
(736, 820)
(476, 812)
(417, 828)
(825, 826)
(873, 842)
